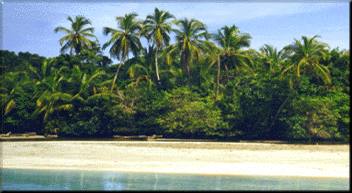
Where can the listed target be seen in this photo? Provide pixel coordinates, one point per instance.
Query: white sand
(181, 157)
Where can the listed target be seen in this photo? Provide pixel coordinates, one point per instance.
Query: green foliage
(77, 37)
(201, 86)
(251, 103)
(342, 109)
(148, 107)
(339, 66)
(190, 115)
(19, 119)
(99, 116)
(305, 57)
(10, 61)
(313, 118)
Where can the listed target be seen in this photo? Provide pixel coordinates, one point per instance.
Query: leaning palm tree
(77, 37)
(306, 55)
(123, 40)
(303, 56)
(50, 102)
(190, 38)
(157, 29)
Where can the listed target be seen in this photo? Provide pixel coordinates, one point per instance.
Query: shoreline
(173, 173)
(282, 142)
(195, 158)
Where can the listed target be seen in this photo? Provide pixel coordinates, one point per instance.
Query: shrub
(313, 118)
(148, 106)
(99, 115)
(250, 105)
(20, 118)
(190, 115)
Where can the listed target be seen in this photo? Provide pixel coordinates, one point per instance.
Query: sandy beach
(205, 158)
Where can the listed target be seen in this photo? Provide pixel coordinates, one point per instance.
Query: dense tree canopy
(176, 79)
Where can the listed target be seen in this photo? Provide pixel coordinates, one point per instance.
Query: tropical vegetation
(172, 77)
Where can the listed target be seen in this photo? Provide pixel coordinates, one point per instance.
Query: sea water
(28, 179)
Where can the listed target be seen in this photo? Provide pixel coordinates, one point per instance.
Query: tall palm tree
(190, 38)
(213, 57)
(303, 56)
(306, 55)
(272, 58)
(77, 37)
(123, 40)
(157, 29)
(230, 41)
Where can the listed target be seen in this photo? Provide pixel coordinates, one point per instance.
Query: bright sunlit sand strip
(181, 157)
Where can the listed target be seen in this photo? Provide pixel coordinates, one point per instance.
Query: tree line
(182, 82)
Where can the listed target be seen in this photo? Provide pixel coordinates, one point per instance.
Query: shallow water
(25, 179)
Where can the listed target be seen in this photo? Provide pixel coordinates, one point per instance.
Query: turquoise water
(24, 179)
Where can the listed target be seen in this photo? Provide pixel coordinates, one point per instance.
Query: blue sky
(29, 25)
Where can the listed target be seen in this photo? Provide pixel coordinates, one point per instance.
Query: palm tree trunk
(290, 94)
(185, 65)
(218, 78)
(279, 111)
(116, 73)
(188, 66)
(77, 50)
(227, 72)
(188, 70)
(156, 66)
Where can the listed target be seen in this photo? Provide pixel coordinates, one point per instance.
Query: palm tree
(271, 57)
(12, 84)
(48, 94)
(46, 77)
(157, 29)
(86, 81)
(190, 38)
(45, 72)
(306, 55)
(51, 99)
(230, 41)
(213, 57)
(123, 40)
(54, 99)
(50, 102)
(76, 38)
(137, 73)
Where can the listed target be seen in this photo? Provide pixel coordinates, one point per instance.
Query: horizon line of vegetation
(201, 86)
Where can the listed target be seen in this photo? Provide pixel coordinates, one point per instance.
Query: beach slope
(181, 157)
